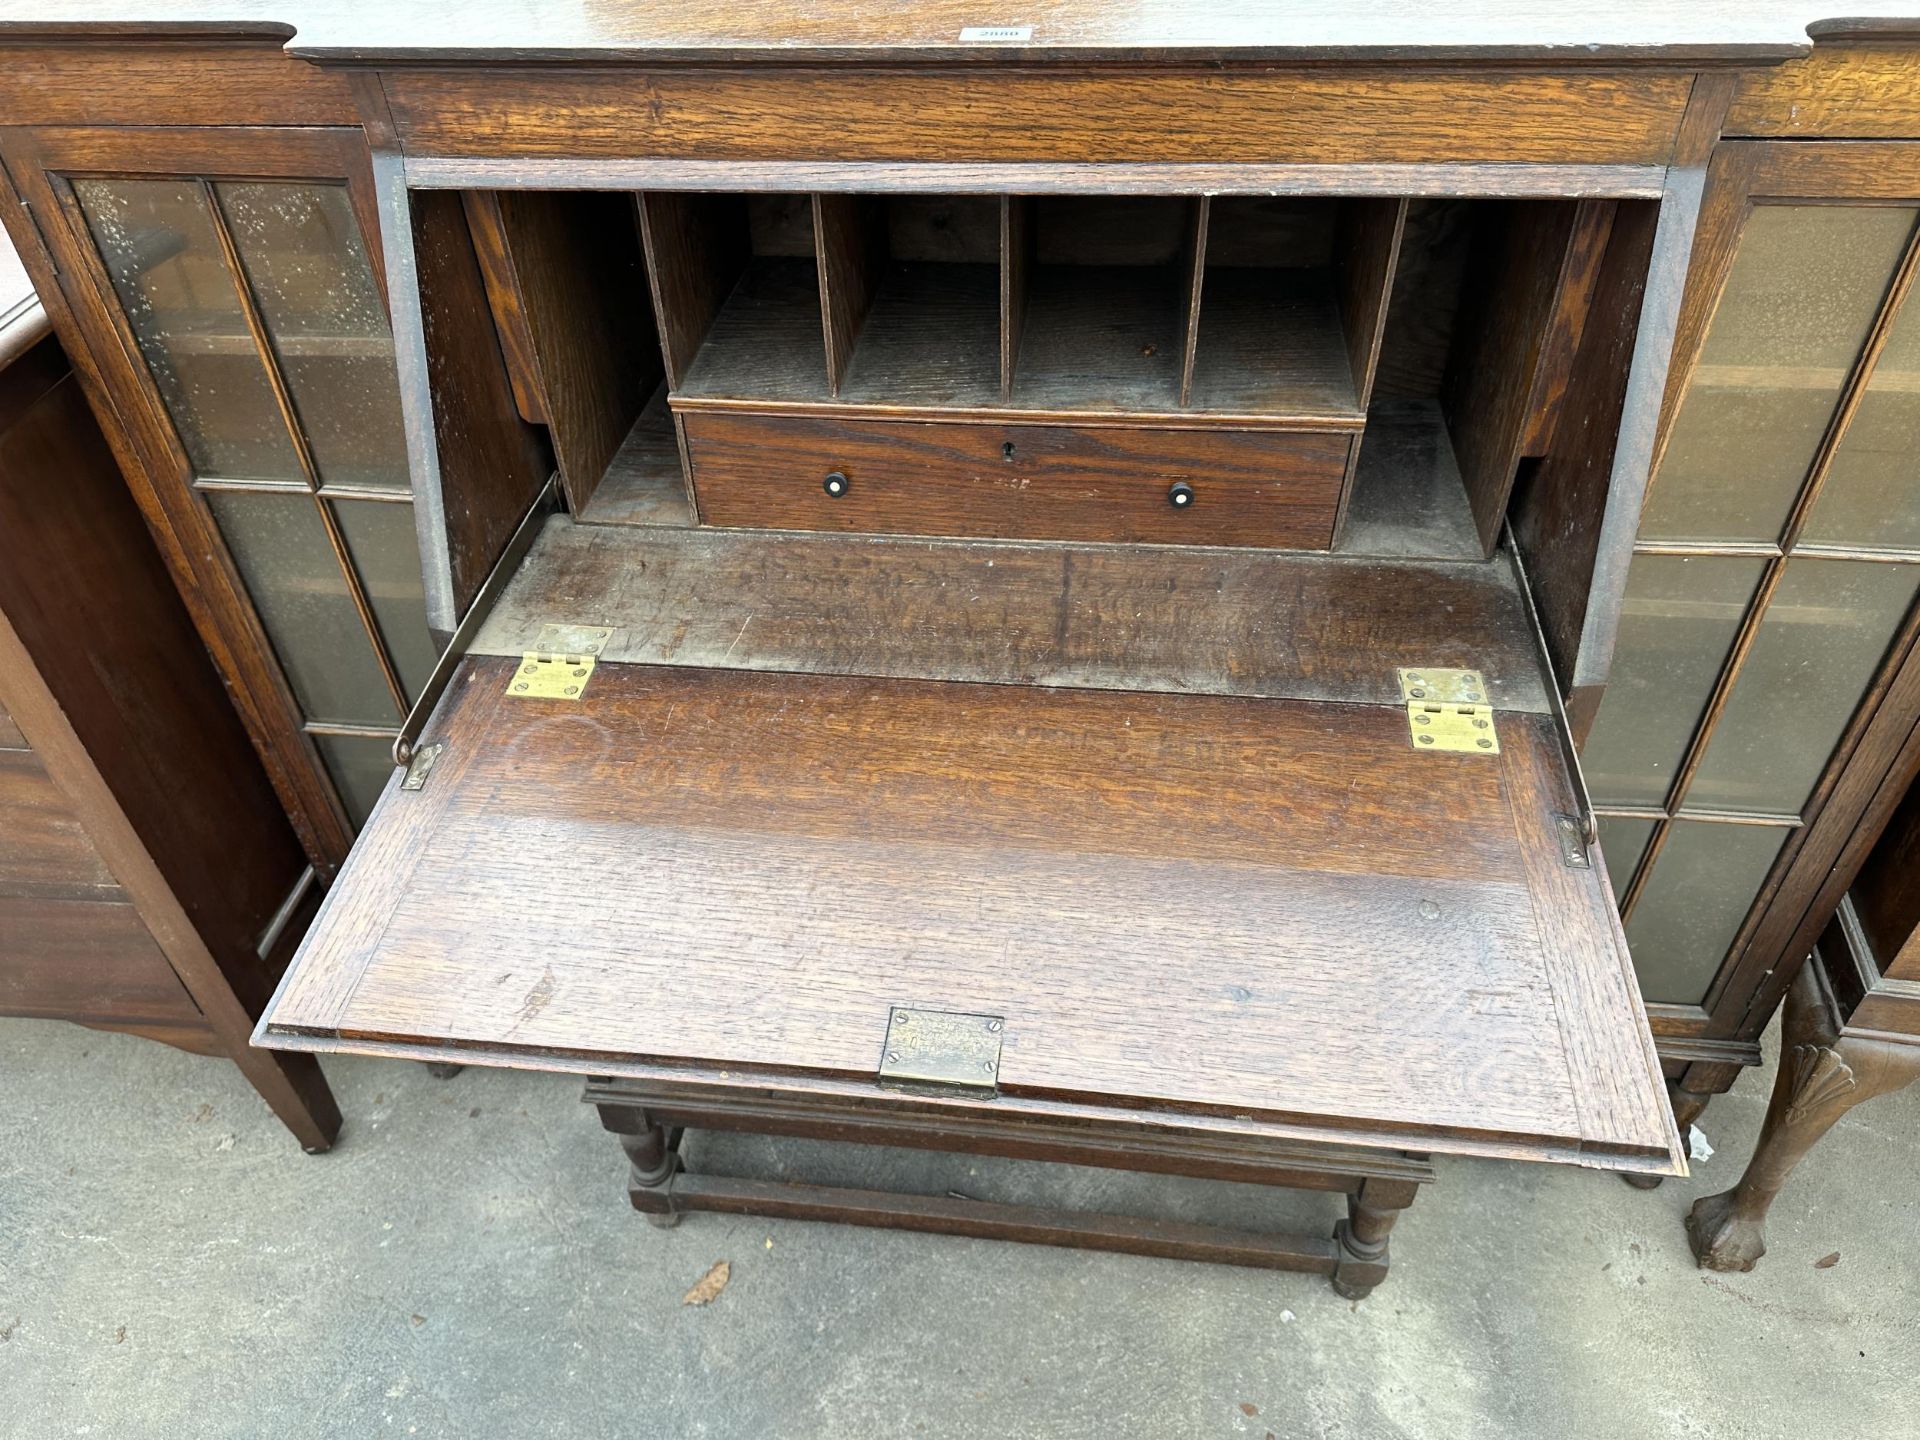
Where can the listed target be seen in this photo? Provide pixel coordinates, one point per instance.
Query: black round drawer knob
(1180, 495)
(836, 484)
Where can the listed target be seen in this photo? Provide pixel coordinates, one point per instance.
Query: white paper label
(995, 34)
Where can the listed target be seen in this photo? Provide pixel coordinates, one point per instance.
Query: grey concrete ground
(464, 1264)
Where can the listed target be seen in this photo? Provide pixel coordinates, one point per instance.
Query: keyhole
(1006, 452)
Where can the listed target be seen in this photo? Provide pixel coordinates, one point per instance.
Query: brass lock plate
(941, 1050)
(560, 664)
(1448, 710)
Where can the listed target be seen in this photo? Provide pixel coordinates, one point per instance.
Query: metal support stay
(544, 504)
(1563, 727)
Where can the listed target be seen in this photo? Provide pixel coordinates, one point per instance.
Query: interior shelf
(1408, 498)
(1366, 374)
(765, 342)
(644, 483)
(932, 338)
(1271, 344)
(1098, 340)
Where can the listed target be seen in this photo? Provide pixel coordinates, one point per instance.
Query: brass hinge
(943, 1052)
(560, 664)
(421, 765)
(1448, 710)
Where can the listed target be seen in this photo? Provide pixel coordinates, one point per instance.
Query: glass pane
(1623, 840)
(1797, 306)
(1703, 883)
(297, 586)
(1870, 497)
(311, 278)
(158, 243)
(360, 767)
(1822, 639)
(380, 538)
(1677, 623)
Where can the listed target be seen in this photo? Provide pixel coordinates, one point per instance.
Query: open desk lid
(1197, 909)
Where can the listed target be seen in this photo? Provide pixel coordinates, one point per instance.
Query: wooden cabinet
(1047, 651)
(1105, 564)
(240, 325)
(148, 879)
(1757, 725)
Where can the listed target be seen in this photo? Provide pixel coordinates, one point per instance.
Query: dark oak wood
(119, 903)
(1318, 116)
(1865, 91)
(1193, 272)
(850, 239)
(696, 248)
(1017, 482)
(575, 265)
(646, 480)
(650, 1118)
(994, 801)
(109, 80)
(44, 850)
(1366, 251)
(1559, 514)
(494, 253)
(491, 463)
(89, 961)
(1515, 344)
(1168, 619)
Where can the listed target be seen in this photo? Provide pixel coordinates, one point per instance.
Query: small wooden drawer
(1278, 489)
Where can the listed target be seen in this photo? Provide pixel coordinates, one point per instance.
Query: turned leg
(1822, 1076)
(654, 1153)
(1361, 1238)
(1688, 1106)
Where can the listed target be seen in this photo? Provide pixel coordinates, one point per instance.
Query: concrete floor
(464, 1264)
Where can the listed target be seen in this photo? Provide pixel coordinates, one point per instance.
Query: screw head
(1426, 739)
(993, 1027)
(1484, 743)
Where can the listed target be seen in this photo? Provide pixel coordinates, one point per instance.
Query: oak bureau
(1028, 584)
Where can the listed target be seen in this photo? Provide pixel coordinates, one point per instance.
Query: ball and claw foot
(1721, 1237)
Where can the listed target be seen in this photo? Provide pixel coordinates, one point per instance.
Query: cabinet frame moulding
(42, 162)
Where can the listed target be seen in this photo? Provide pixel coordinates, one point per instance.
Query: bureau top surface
(962, 31)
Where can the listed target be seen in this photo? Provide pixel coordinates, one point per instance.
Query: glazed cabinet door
(1757, 695)
(231, 282)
